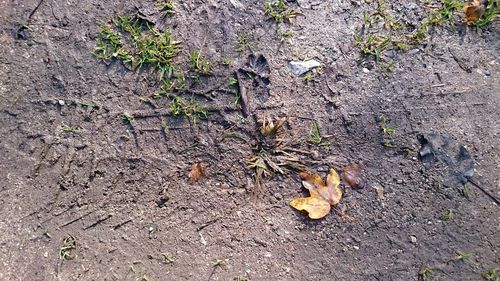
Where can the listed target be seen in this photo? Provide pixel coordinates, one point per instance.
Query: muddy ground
(122, 190)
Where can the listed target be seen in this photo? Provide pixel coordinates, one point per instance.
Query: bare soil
(122, 190)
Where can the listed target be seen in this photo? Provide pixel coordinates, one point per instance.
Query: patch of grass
(167, 6)
(278, 11)
(89, 105)
(69, 129)
(420, 33)
(69, 244)
(315, 135)
(401, 44)
(233, 82)
(226, 61)
(492, 11)
(191, 109)
(388, 67)
(13, 99)
(465, 257)
(493, 274)
(372, 45)
(426, 273)
(109, 45)
(127, 118)
(466, 191)
(200, 63)
(367, 20)
(447, 215)
(244, 41)
(286, 34)
(389, 131)
(383, 14)
(145, 45)
(308, 77)
(445, 14)
(144, 100)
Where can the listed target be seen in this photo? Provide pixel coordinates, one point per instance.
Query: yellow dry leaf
(321, 196)
(270, 127)
(315, 207)
(474, 10)
(196, 173)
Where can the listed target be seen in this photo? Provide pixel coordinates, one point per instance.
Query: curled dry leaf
(321, 196)
(353, 177)
(196, 173)
(474, 10)
(270, 127)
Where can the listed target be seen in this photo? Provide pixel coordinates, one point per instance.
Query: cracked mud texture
(122, 191)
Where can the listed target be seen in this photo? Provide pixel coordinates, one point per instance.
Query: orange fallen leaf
(352, 176)
(322, 196)
(196, 173)
(474, 10)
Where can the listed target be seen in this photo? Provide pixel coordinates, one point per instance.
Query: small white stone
(61, 102)
(413, 239)
(300, 67)
(365, 70)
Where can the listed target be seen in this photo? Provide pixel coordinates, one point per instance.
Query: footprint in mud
(437, 150)
(255, 77)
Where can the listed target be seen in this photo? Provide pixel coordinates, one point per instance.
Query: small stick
(243, 95)
(75, 220)
(485, 192)
(98, 222)
(34, 10)
(344, 215)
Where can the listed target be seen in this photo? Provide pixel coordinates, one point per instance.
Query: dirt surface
(122, 191)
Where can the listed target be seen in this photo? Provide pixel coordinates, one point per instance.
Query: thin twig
(486, 192)
(344, 215)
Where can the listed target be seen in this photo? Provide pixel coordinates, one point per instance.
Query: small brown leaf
(474, 10)
(353, 177)
(196, 173)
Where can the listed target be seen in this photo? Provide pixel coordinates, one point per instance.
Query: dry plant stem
(344, 215)
(243, 95)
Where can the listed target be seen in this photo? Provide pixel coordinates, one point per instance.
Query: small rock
(380, 191)
(413, 239)
(237, 4)
(278, 196)
(152, 227)
(366, 70)
(413, 51)
(300, 67)
(487, 72)
(202, 239)
(61, 102)
(304, 4)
